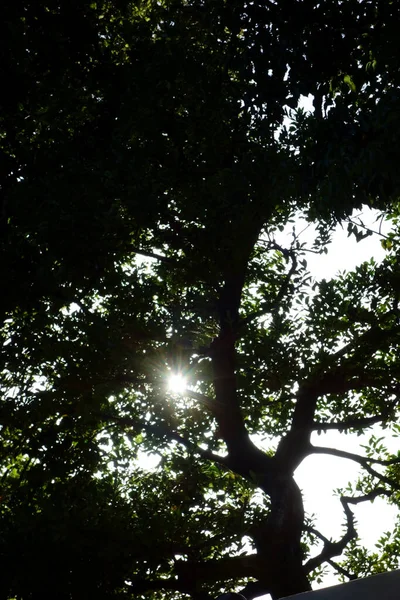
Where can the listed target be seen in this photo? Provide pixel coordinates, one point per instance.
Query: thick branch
(295, 446)
(356, 423)
(234, 567)
(141, 586)
(223, 356)
(188, 575)
(222, 350)
(330, 548)
(228, 414)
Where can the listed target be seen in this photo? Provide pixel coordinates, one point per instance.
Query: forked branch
(330, 548)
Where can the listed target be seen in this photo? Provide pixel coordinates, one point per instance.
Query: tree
(152, 154)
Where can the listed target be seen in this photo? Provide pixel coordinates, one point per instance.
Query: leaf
(349, 81)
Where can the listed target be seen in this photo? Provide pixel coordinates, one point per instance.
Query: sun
(177, 383)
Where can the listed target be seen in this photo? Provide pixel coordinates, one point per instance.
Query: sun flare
(177, 383)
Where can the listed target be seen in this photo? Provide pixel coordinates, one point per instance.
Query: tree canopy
(152, 154)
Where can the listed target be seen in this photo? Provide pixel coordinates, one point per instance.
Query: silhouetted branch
(165, 431)
(211, 403)
(333, 379)
(362, 460)
(368, 497)
(141, 586)
(350, 423)
(155, 256)
(366, 343)
(234, 567)
(359, 223)
(330, 548)
(317, 533)
(341, 570)
(189, 574)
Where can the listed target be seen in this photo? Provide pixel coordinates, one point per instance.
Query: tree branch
(164, 430)
(234, 567)
(317, 533)
(188, 575)
(341, 570)
(330, 548)
(327, 379)
(371, 231)
(362, 460)
(355, 423)
(222, 350)
(371, 339)
(141, 586)
(212, 404)
(155, 256)
(379, 491)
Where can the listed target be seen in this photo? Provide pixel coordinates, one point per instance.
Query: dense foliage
(152, 154)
